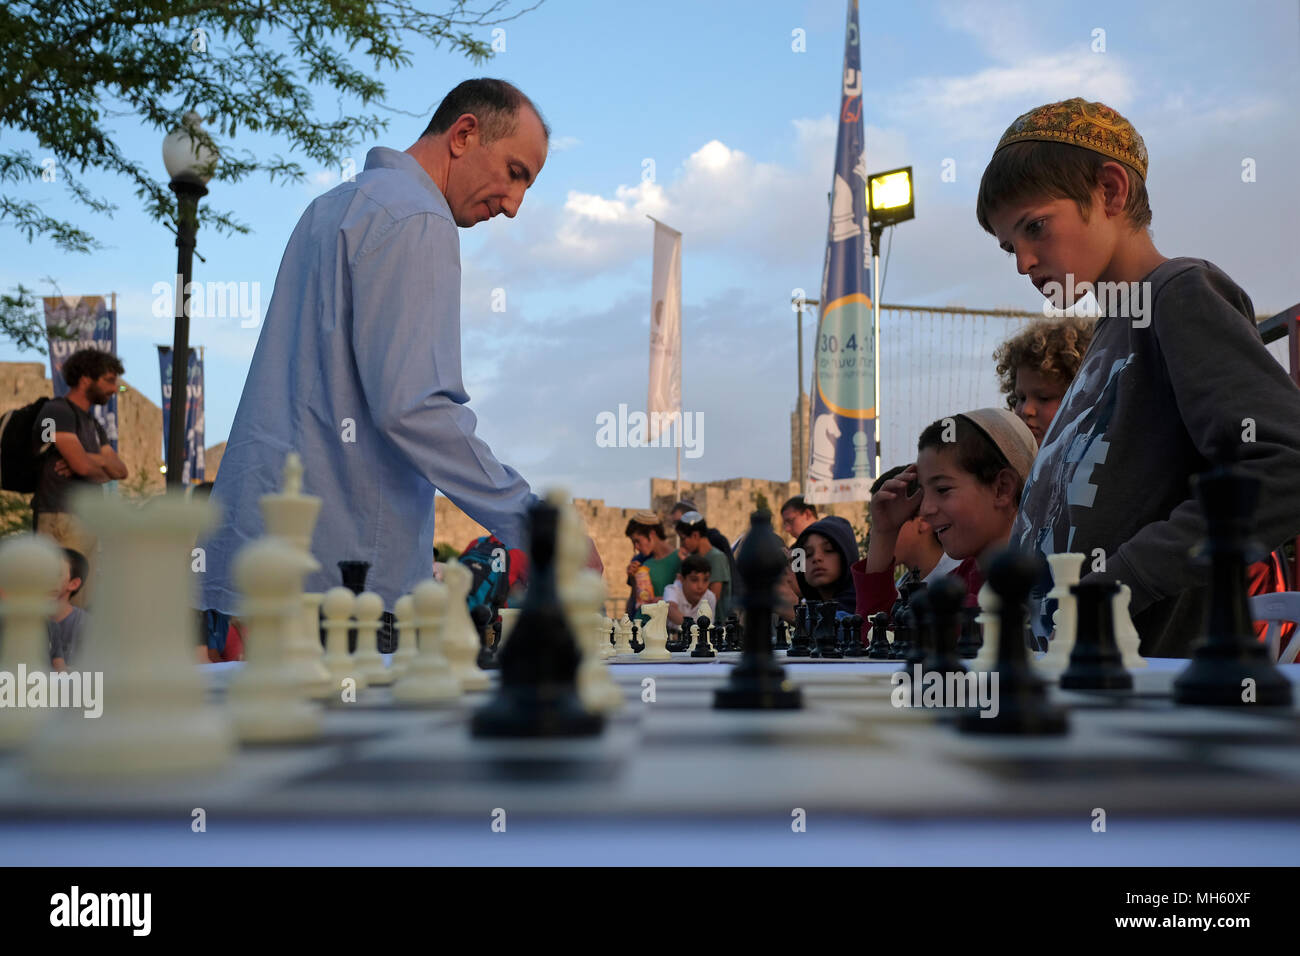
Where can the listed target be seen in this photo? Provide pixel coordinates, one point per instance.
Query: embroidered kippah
(1075, 122)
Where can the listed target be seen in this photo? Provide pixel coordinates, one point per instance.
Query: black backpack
(20, 457)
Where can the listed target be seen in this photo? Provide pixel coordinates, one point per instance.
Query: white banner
(665, 329)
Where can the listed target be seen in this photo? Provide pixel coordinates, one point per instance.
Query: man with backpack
(78, 453)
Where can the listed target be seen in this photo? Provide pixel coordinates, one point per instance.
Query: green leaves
(67, 66)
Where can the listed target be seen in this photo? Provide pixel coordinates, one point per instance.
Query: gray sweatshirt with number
(1162, 391)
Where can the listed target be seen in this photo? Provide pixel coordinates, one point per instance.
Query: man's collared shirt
(358, 370)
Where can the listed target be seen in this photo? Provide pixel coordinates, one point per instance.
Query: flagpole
(875, 334)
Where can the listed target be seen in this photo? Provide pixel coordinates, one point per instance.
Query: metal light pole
(800, 302)
(190, 164)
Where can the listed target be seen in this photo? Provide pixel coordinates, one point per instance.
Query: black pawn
(482, 617)
(1095, 661)
(853, 645)
(634, 640)
(718, 634)
(799, 643)
(945, 599)
(537, 696)
(354, 579)
(880, 649)
(780, 641)
(1023, 707)
(971, 640)
(758, 682)
(1230, 667)
(824, 633)
(702, 648)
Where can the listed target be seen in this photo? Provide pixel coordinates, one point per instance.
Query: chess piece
(354, 574)
(782, 642)
(701, 635)
(1126, 634)
(156, 720)
(482, 617)
(634, 636)
(758, 682)
(459, 639)
(623, 636)
(735, 633)
(291, 515)
(904, 623)
(368, 660)
(853, 645)
(683, 640)
(1229, 667)
(268, 702)
(1066, 570)
(656, 632)
(596, 686)
(800, 645)
(824, 630)
(404, 627)
(537, 696)
(1095, 660)
(429, 679)
(880, 649)
(988, 622)
(1023, 707)
(31, 570)
(944, 600)
(337, 608)
(922, 625)
(968, 644)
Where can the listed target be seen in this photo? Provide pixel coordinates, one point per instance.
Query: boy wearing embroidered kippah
(1176, 376)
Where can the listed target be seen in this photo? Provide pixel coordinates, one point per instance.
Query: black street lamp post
(189, 163)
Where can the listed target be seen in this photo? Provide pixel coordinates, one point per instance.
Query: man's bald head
(495, 103)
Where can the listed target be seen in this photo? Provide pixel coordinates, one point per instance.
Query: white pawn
(596, 687)
(370, 663)
(337, 608)
(292, 515)
(30, 572)
(695, 634)
(267, 700)
(429, 679)
(1126, 635)
(655, 633)
(623, 637)
(1066, 571)
(459, 636)
(606, 648)
(989, 623)
(404, 628)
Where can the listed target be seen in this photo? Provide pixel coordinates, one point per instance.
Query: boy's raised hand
(890, 507)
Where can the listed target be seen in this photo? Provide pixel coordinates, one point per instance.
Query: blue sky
(740, 131)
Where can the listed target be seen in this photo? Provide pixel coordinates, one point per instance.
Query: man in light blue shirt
(358, 363)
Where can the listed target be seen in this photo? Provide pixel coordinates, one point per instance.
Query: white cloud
(560, 144)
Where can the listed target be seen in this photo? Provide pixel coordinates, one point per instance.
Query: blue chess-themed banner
(842, 445)
(93, 325)
(194, 469)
